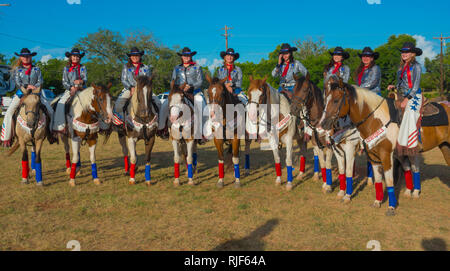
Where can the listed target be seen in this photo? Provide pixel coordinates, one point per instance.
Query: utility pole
(5, 5)
(442, 39)
(226, 35)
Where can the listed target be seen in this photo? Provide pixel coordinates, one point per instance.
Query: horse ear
(94, 85)
(250, 77)
(208, 77)
(264, 79)
(307, 76)
(109, 85)
(223, 80)
(172, 84)
(295, 77)
(151, 78)
(341, 83)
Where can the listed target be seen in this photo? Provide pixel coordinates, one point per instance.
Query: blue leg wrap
(329, 176)
(316, 163)
(33, 160)
(148, 177)
(94, 170)
(349, 185)
(369, 170)
(289, 173)
(416, 178)
(79, 161)
(237, 174)
(247, 161)
(194, 159)
(392, 199)
(190, 171)
(38, 172)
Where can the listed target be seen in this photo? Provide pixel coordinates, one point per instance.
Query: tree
(52, 73)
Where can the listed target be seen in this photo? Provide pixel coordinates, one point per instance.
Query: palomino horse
(181, 117)
(260, 111)
(32, 125)
(141, 118)
(90, 109)
(308, 105)
(219, 98)
(370, 114)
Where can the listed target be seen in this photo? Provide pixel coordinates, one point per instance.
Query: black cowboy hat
(286, 48)
(75, 52)
(230, 51)
(410, 47)
(25, 52)
(135, 52)
(339, 51)
(186, 52)
(367, 51)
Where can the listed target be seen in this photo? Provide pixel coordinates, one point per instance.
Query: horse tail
(13, 149)
(228, 158)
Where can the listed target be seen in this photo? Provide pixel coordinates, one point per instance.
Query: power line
(226, 35)
(30, 40)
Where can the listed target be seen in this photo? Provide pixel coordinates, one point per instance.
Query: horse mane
(360, 95)
(82, 100)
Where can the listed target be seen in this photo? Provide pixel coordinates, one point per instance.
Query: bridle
(35, 114)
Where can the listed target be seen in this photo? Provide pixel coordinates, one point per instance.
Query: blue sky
(51, 27)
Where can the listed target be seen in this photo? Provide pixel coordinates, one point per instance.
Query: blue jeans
(291, 89)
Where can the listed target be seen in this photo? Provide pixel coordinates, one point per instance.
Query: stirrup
(6, 143)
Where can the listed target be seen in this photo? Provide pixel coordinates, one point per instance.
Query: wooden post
(226, 35)
(441, 38)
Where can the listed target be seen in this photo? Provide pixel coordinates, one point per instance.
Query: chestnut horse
(90, 110)
(32, 125)
(261, 95)
(219, 98)
(181, 118)
(370, 114)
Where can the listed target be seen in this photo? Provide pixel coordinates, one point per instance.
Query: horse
(371, 115)
(219, 98)
(181, 132)
(308, 104)
(32, 125)
(141, 122)
(90, 112)
(284, 131)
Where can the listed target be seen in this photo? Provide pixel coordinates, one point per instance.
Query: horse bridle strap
(370, 114)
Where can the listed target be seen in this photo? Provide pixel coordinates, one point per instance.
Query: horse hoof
(278, 181)
(68, 170)
(376, 204)
(340, 194)
(148, 183)
(132, 181)
(316, 177)
(416, 194)
(369, 181)
(191, 182)
(176, 182)
(246, 172)
(407, 193)
(289, 186)
(72, 182)
(219, 184)
(126, 173)
(97, 181)
(237, 184)
(39, 183)
(33, 172)
(299, 176)
(346, 199)
(78, 171)
(390, 211)
(24, 181)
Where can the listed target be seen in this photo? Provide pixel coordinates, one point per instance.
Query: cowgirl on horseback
(74, 80)
(287, 67)
(233, 74)
(27, 78)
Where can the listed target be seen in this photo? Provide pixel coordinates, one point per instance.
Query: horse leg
(25, 169)
(65, 141)
(237, 175)
(194, 158)
(445, 149)
(148, 155)
(387, 162)
(76, 142)
(289, 169)
(176, 160)
(247, 158)
(316, 151)
(33, 160)
(379, 192)
(219, 146)
(190, 150)
(350, 152)
(37, 162)
(131, 143)
(92, 143)
(328, 179)
(416, 175)
(406, 166)
(302, 145)
(126, 161)
(340, 158)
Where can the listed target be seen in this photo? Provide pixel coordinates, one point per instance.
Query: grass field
(258, 216)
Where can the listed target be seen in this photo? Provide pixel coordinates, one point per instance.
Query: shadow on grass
(251, 242)
(434, 244)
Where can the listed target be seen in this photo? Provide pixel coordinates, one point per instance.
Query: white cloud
(76, 2)
(427, 48)
(201, 61)
(215, 63)
(46, 58)
(371, 2)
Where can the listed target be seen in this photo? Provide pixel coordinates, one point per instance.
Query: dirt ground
(257, 216)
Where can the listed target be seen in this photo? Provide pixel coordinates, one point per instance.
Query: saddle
(433, 114)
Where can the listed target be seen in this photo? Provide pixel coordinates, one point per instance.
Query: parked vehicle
(163, 96)
(5, 101)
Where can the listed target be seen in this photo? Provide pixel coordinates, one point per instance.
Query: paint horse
(32, 125)
(141, 122)
(219, 98)
(370, 114)
(181, 118)
(308, 105)
(90, 110)
(260, 111)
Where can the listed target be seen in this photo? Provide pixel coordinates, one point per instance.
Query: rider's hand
(78, 82)
(280, 59)
(31, 87)
(187, 87)
(132, 91)
(72, 91)
(390, 87)
(229, 88)
(404, 103)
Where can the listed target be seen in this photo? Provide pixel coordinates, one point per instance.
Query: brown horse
(219, 100)
(90, 109)
(32, 125)
(370, 114)
(181, 118)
